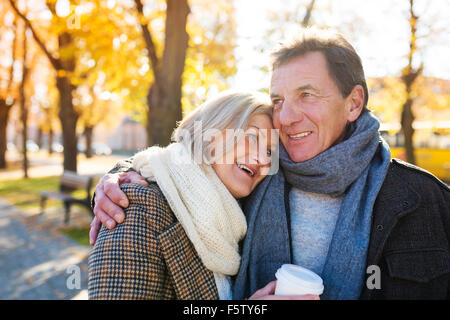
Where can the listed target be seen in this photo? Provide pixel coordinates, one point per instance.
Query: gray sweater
(313, 219)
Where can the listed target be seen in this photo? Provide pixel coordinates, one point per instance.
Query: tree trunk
(88, 132)
(24, 120)
(63, 67)
(39, 137)
(164, 97)
(67, 114)
(409, 76)
(407, 120)
(4, 116)
(23, 106)
(50, 141)
(163, 114)
(68, 117)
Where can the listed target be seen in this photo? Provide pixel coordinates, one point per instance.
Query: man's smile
(299, 135)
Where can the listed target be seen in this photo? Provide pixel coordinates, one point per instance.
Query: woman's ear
(355, 103)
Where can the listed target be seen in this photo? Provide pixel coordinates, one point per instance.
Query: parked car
(57, 147)
(11, 146)
(81, 148)
(32, 146)
(101, 149)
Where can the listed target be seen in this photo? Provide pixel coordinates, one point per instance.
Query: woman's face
(245, 165)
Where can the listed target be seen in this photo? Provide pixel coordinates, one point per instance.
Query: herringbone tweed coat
(148, 256)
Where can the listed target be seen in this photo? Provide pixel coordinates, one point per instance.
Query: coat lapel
(190, 278)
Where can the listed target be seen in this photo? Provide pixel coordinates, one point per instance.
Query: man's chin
(299, 156)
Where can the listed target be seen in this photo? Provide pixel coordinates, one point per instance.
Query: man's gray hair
(344, 64)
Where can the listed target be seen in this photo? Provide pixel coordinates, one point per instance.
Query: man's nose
(290, 113)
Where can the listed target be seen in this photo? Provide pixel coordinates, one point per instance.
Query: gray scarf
(334, 170)
(355, 168)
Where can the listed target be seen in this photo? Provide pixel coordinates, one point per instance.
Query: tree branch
(307, 17)
(54, 62)
(13, 56)
(150, 45)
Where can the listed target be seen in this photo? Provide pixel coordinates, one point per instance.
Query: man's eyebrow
(306, 87)
(301, 88)
(274, 95)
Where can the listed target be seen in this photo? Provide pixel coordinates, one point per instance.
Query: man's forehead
(282, 77)
(310, 63)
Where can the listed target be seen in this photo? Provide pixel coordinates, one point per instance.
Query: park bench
(69, 182)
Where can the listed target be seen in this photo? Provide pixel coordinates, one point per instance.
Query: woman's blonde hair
(228, 110)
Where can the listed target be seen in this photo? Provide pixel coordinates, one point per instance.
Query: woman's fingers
(134, 177)
(269, 289)
(267, 293)
(300, 297)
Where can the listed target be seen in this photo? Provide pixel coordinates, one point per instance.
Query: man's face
(309, 109)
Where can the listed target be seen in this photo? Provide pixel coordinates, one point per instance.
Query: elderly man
(372, 227)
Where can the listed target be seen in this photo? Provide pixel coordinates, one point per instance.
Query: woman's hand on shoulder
(110, 199)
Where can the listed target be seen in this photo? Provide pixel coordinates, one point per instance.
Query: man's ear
(355, 103)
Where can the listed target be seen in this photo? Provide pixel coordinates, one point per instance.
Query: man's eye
(277, 102)
(306, 94)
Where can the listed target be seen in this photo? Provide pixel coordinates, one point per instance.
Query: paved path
(41, 164)
(34, 262)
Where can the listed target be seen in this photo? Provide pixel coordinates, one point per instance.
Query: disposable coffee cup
(296, 280)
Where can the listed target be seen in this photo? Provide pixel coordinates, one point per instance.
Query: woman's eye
(269, 153)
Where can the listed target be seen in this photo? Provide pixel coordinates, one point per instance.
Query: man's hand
(268, 293)
(109, 201)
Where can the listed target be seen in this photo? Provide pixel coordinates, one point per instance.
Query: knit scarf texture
(355, 168)
(209, 214)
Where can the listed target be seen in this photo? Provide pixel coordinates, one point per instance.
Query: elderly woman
(180, 238)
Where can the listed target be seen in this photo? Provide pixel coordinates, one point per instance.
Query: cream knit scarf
(209, 214)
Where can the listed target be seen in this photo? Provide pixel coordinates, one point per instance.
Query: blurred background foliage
(71, 70)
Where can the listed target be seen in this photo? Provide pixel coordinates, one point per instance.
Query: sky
(378, 29)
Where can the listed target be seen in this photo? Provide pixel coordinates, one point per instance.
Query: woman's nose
(263, 158)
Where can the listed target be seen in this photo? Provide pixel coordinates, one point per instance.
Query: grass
(25, 194)
(80, 235)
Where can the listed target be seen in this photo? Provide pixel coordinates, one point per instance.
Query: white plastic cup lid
(300, 276)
